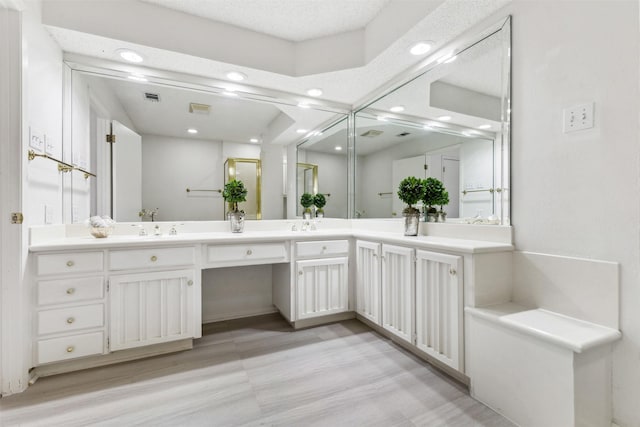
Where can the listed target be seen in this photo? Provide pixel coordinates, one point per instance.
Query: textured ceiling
(292, 20)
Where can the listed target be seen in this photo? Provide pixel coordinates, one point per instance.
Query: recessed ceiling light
(254, 140)
(397, 109)
(302, 131)
(303, 105)
(338, 148)
(314, 92)
(450, 60)
(192, 130)
(487, 126)
(444, 118)
(129, 55)
(138, 78)
(420, 48)
(236, 76)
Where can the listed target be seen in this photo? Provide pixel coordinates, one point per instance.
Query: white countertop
(89, 242)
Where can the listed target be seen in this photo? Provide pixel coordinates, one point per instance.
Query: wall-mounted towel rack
(490, 190)
(384, 194)
(189, 190)
(62, 166)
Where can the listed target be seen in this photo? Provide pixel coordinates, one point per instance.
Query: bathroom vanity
(97, 301)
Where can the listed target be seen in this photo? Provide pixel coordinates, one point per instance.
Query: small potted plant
(306, 200)
(433, 189)
(319, 202)
(410, 191)
(444, 200)
(235, 192)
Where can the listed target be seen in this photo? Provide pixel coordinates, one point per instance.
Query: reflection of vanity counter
(115, 298)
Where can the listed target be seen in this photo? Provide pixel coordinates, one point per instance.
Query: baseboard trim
(315, 321)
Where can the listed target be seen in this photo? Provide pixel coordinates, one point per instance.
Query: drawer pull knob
(70, 320)
(70, 349)
(70, 263)
(249, 251)
(71, 291)
(452, 271)
(324, 248)
(154, 258)
(190, 283)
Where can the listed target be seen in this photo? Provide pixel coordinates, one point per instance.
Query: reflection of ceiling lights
(303, 105)
(138, 77)
(450, 60)
(129, 55)
(236, 76)
(420, 48)
(192, 131)
(487, 126)
(338, 148)
(254, 140)
(382, 118)
(302, 131)
(444, 118)
(397, 109)
(229, 92)
(314, 92)
(446, 58)
(427, 127)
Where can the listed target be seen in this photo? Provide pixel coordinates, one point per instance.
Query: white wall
(578, 194)
(171, 165)
(475, 155)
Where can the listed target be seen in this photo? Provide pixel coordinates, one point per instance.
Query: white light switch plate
(36, 139)
(578, 117)
(48, 214)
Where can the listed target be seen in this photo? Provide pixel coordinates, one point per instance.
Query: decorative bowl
(101, 232)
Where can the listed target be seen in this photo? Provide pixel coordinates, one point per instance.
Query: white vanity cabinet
(398, 291)
(439, 306)
(70, 319)
(153, 307)
(368, 280)
(322, 285)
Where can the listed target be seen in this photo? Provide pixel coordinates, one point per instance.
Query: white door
(126, 174)
(152, 308)
(322, 287)
(398, 275)
(439, 306)
(451, 181)
(368, 284)
(400, 169)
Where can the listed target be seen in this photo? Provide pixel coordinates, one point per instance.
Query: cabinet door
(152, 308)
(439, 306)
(398, 291)
(368, 284)
(322, 287)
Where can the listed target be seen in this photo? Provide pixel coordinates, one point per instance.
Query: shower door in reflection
(249, 171)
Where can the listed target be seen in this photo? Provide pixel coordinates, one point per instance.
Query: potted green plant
(319, 202)
(444, 200)
(306, 200)
(433, 190)
(235, 192)
(411, 191)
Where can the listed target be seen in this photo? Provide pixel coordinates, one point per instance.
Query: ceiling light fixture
(420, 48)
(338, 148)
(254, 140)
(303, 105)
(192, 131)
(487, 126)
(314, 92)
(129, 55)
(444, 118)
(236, 76)
(382, 118)
(229, 92)
(302, 131)
(397, 109)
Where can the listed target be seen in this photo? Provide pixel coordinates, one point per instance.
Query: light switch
(578, 117)
(36, 139)
(48, 214)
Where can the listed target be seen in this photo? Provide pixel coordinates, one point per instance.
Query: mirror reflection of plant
(410, 191)
(433, 193)
(306, 200)
(444, 200)
(319, 202)
(234, 192)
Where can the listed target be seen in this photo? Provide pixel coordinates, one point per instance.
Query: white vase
(236, 221)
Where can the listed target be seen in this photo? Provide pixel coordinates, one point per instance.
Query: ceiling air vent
(199, 108)
(371, 133)
(152, 97)
(403, 134)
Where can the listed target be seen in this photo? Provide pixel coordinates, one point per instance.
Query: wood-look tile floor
(258, 372)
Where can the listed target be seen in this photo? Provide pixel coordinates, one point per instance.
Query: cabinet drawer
(149, 258)
(249, 254)
(322, 248)
(70, 347)
(70, 290)
(70, 318)
(71, 262)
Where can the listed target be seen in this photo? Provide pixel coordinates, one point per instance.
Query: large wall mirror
(174, 142)
(452, 123)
